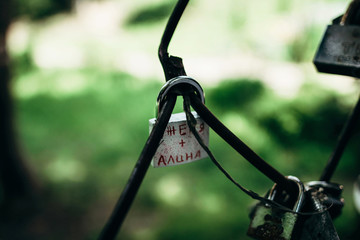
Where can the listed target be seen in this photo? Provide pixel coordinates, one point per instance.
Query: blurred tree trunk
(15, 183)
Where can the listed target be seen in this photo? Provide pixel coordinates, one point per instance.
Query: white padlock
(179, 145)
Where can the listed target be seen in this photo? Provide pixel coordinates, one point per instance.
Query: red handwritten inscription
(182, 129)
(164, 161)
(179, 146)
(171, 130)
(182, 143)
(202, 126)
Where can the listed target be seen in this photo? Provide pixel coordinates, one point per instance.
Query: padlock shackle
(351, 16)
(179, 85)
(300, 196)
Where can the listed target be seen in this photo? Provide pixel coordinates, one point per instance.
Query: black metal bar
(173, 66)
(171, 26)
(240, 146)
(341, 145)
(127, 197)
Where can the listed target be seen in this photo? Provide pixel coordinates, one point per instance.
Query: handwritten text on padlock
(179, 146)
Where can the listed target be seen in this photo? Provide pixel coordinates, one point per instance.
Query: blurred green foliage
(40, 9)
(150, 14)
(83, 147)
(235, 95)
(83, 130)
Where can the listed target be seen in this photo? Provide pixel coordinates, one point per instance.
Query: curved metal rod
(240, 146)
(123, 205)
(172, 66)
(344, 139)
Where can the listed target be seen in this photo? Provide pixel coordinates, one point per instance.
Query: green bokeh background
(85, 84)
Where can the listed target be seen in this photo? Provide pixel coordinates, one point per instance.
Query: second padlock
(274, 223)
(339, 50)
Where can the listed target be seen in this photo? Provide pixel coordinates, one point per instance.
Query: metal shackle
(352, 14)
(174, 84)
(300, 197)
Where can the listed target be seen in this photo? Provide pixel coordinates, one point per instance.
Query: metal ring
(175, 82)
(300, 198)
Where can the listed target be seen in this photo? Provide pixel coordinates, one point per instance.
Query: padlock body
(339, 51)
(271, 223)
(179, 145)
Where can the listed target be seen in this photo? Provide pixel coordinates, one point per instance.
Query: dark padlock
(339, 50)
(323, 203)
(328, 196)
(273, 223)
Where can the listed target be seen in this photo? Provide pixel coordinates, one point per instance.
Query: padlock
(274, 223)
(322, 204)
(179, 145)
(339, 50)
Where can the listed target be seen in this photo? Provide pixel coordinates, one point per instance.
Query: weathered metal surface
(328, 195)
(320, 227)
(269, 222)
(339, 51)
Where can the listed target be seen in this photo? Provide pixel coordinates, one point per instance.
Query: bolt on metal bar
(240, 146)
(127, 197)
(341, 144)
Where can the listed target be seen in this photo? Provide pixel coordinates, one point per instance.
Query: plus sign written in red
(182, 143)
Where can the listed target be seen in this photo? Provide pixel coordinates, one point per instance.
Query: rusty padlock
(273, 223)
